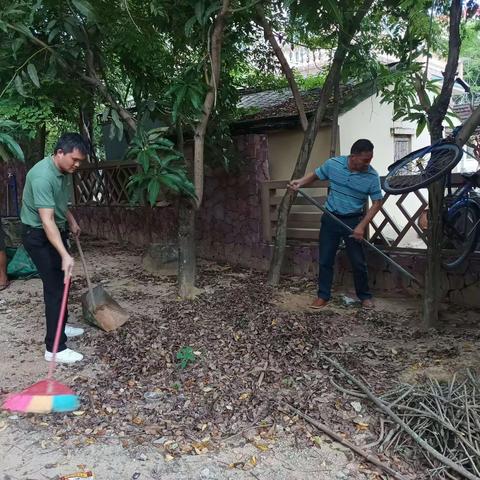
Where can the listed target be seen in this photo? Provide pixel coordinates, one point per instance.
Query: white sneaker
(73, 331)
(65, 356)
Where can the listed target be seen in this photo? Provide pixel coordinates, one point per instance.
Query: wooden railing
(103, 184)
(395, 226)
(304, 219)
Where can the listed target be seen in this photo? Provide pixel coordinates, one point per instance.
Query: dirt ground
(249, 351)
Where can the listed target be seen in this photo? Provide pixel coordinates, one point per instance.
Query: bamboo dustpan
(98, 306)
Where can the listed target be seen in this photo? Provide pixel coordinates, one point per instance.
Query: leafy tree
(144, 59)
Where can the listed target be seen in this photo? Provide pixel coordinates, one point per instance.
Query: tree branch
(439, 107)
(201, 127)
(91, 80)
(343, 441)
(270, 37)
(468, 128)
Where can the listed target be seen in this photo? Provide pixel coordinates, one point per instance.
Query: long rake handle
(85, 269)
(366, 242)
(58, 333)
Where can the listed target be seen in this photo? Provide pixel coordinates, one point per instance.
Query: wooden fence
(103, 184)
(397, 225)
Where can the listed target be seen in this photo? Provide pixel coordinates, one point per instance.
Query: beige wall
(283, 148)
(374, 120)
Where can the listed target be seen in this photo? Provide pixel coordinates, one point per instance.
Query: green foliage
(186, 356)
(471, 54)
(8, 146)
(162, 169)
(27, 113)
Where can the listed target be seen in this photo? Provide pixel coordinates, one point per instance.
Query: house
(362, 115)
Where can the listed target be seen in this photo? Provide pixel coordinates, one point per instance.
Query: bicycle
(461, 212)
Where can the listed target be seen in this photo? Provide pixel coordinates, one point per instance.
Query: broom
(47, 395)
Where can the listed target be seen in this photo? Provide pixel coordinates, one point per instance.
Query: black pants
(330, 235)
(49, 265)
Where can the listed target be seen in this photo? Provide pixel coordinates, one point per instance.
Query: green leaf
(153, 191)
(199, 8)
(144, 160)
(51, 24)
(449, 121)
(53, 33)
(333, 7)
(3, 154)
(85, 8)
(189, 26)
(116, 119)
(19, 86)
(12, 146)
(178, 102)
(421, 126)
(32, 73)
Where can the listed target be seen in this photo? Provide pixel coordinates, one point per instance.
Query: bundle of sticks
(437, 420)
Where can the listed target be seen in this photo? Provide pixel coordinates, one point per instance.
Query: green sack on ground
(20, 264)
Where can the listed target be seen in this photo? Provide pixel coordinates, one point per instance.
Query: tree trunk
(187, 265)
(336, 111)
(186, 249)
(345, 38)
(287, 71)
(210, 99)
(436, 115)
(186, 215)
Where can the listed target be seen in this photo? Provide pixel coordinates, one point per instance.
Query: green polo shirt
(46, 187)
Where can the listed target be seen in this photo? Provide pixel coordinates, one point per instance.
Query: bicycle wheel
(419, 169)
(460, 236)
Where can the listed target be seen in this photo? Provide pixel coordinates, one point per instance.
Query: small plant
(186, 356)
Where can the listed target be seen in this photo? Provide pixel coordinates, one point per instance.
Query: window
(402, 145)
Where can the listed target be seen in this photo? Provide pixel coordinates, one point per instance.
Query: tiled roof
(278, 104)
(464, 110)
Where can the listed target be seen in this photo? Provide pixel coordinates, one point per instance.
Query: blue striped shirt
(349, 190)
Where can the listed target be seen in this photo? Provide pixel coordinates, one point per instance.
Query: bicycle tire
(460, 236)
(421, 168)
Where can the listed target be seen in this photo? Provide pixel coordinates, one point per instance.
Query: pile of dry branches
(439, 421)
(445, 415)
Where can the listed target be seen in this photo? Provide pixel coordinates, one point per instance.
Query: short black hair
(69, 141)
(360, 146)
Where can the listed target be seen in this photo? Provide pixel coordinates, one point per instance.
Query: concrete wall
(373, 120)
(283, 148)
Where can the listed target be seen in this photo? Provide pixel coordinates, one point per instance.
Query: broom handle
(87, 276)
(58, 333)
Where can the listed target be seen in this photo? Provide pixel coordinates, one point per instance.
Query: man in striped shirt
(352, 181)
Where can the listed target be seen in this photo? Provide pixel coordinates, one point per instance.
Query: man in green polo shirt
(46, 221)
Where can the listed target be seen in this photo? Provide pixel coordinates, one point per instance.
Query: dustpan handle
(58, 333)
(84, 263)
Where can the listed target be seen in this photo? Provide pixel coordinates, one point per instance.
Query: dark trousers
(49, 266)
(329, 240)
